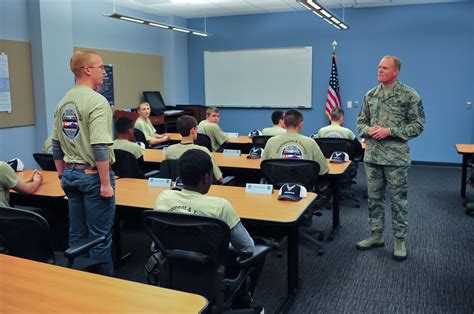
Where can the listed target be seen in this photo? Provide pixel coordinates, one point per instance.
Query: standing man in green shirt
(293, 145)
(336, 129)
(211, 128)
(82, 152)
(186, 126)
(391, 115)
(144, 124)
(278, 124)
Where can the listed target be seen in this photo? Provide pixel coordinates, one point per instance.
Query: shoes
(400, 250)
(375, 240)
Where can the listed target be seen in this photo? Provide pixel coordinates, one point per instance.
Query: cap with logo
(255, 133)
(292, 192)
(255, 153)
(16, 164)
(339, 157)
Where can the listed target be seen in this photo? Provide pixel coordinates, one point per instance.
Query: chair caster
(357, 206)
(279, 254)
(320, 252)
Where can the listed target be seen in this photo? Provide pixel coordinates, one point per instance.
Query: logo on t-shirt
(70, 124)
(291, 152)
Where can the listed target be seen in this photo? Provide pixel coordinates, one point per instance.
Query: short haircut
(79, 59)
(277, 115)
(293, 117)
(336, 114)
(193, 165)
(185, 124)
(211, 110)
(123, 124)
(143, 104)
(396, 62)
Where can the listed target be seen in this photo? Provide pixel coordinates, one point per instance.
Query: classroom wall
(434, 43)
(85, 26)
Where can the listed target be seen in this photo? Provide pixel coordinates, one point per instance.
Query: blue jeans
(90, 214)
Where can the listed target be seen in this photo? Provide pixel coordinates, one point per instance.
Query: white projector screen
(261, 78)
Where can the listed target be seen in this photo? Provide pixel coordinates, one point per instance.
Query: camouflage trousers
(378, 178)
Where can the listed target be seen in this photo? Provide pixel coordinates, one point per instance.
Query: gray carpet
(437, 277)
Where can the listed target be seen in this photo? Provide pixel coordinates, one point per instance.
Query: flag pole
(334, 45)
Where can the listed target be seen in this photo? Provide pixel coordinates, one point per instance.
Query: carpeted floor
(437, 277)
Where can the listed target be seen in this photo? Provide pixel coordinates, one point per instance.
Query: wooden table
(135, 193)
(50, 187)
(467, 151)
(241, 139)
(28, 286)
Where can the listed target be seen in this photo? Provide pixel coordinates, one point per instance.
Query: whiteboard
(262, 78)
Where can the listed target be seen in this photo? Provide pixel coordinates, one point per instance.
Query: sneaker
(400, 250)
(375, 240)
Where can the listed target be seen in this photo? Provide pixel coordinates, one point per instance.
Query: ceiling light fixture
(133, 19)
(325, 14)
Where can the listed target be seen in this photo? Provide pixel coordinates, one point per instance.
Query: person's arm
(156, 141)
(29, 185)
(58, 156)
(241, 240)
(416, 121)
(102, 161)
(363, 121)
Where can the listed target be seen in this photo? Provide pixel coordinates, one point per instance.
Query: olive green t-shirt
(274, 130)
(175, 151)
(48, 146)
(190, 202)
(335, 131)
(295, 146)
(146, 127)
(83, 118)
(8, 180)
(213, 130)
(128, 146)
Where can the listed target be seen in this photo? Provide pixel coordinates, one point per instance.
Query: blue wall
(434, 42)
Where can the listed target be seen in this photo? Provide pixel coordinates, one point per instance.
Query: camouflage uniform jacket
(402, 112)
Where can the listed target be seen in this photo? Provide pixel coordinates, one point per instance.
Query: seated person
(211, 128)
(9, 180)
(293, 145)
(48, 145)
(186, 126)
(278, 124)
(144, 124)
(195, 168)
(124, 139)
(336, 129)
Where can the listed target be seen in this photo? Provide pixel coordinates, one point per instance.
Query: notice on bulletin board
(108, 84)
(5, 98)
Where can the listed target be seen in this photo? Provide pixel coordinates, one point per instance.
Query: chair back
(203, 140)
(45, 161)
(194, 250)
(25, 234)
(169, 169)
(329, 145)
(297, 171)
(126, 165)
(140, 137)
(260, 140)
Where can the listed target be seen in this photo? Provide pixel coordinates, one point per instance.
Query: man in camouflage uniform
(391, 115)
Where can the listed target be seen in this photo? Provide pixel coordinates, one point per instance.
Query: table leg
(293, 267)
(465, 158)
(335, 207)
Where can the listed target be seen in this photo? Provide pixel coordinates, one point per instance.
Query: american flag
(333, 99)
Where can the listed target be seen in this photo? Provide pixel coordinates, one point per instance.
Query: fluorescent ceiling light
(322, 12)
(158, 24)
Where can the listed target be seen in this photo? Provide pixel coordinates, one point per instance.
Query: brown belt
(78, 166)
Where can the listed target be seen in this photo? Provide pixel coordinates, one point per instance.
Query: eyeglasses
(97, 67)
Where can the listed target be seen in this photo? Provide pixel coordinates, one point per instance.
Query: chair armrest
(259, 252)
(159, 146)
(152, 173)
(83, 246)
(228, 180)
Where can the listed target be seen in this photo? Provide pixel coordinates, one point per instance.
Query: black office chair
(192, 255)
(260, 140)
(296, 171)
(140, 137)
(354, 149)
(169, 169)
(27, 235)
(45, 161)
(203, 140)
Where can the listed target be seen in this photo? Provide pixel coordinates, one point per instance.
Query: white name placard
(161, 182)
(232, 134)
(259, 188)
(232, 152)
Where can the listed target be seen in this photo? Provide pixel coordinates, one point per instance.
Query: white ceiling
(203, 8)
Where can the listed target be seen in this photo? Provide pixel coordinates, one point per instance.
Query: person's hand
(379, 132)
(166, 136)
(37, 176)
(106, 191)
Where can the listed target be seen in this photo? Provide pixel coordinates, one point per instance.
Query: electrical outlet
(356, 103)
(469, 105)
(349, 104)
